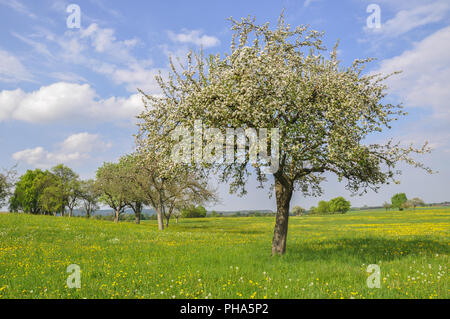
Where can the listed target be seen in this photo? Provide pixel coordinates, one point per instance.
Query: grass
(327, 257)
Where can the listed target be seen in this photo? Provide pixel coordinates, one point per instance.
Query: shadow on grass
(365, 250)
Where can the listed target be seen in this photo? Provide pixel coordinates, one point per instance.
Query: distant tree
(339, 205)
(387, 206)
(177, 215)
(74, 195)
(193, 212)
(7, 179)
(165, 192)
(67, 183)
(50, 193)
(323, 207)
(112, 183)
(214, 213)
(89, 197)
(416, 201)
(313, 210)
(398, 200)
(27, 196)
(135, 197)
(298, 211)
(4, 189)
(406, 205)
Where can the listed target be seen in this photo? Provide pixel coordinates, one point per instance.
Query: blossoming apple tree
(283, 78)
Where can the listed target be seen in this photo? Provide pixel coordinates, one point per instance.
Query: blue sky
(69, 95)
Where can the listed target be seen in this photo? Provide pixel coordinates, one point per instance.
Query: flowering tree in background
(7, 179)
(282, 78)
(153, 181)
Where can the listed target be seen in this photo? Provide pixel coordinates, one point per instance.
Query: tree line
(338, 205)
(126, 184)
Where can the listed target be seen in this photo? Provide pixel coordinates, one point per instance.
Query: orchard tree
(74, 195)
(135, 196)
(283, 79)
(398, 200)
(416, 201)
(68, 187)
(323, 207)
(27, 196)
(4, 189)
(177, 215)
(6, 184)
(89, 197)
(164, 187)
(111, 182)
(386, 205)
(50, 194)
(298, 211)
(339, 205)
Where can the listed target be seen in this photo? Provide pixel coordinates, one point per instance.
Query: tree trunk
(160, 219)
(116, 216)
(137, 218)
(167, 221)
(283, 193)
(176, 220)
(70, 212)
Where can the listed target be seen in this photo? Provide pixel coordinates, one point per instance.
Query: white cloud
(99, 50)
(412, 17)
(103, 40)
(425, 80)
(75, 148)
(135, 77)
(195, 37)
(12, 70)
(68, 102)
(84, 143)
(37, 46)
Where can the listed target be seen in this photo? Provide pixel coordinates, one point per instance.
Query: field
(227, 257)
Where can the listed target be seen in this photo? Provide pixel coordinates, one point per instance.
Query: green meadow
(227, 257)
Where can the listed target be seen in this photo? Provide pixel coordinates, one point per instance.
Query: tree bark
(137, 218)
(167, 221)
(160, 219)
(283, 193)
(116, 216)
